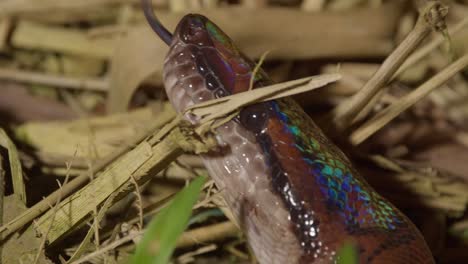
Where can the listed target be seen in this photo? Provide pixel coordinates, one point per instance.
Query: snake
(295, 194)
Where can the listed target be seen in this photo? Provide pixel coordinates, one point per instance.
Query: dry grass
(399, 108)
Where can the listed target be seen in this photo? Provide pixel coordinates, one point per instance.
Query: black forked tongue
(153, 21)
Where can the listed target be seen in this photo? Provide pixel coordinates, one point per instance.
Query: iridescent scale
(336, 205)
(343, 190)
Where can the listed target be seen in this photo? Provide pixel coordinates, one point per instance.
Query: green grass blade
(348, 255)
(161, 236)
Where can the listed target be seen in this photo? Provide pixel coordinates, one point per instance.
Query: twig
(384, 117)
(345, 113)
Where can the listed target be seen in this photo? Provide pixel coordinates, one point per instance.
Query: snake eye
(254, 117)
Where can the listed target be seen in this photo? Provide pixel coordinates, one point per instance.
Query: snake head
(200, 31)
(230, 66)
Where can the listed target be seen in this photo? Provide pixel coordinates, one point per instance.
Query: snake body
(294, 193)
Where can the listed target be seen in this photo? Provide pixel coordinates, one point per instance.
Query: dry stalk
(54, 209)
(143, 161)
(257, 68)
(195, 236)
(345, 114)
(192, 161)
(109, 247)
(139, 202)
(231, 248)
(18, 181)
(30, 35)
(313, 5)
(100, 85)
(148, 211)
(209, 233)
(387, 115)
(98, 218)
(9, 8)
(254, 4)
(429, 47)
(69, 188)
(218, 108)
(189, 257)
(92, 152)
